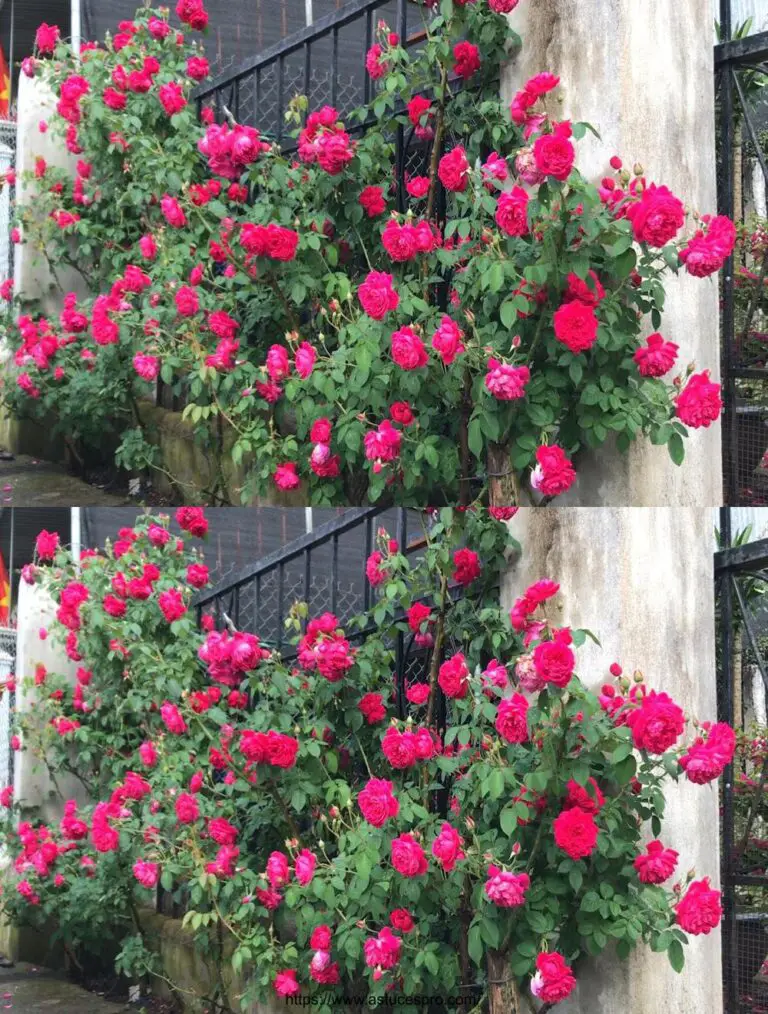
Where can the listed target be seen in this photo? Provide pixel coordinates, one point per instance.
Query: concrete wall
(642, 581)
(33, 786)
(33, 278)
(642, 74)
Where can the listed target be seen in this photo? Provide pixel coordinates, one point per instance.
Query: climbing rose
(706, 760)
(554, 662)
(285, 983)
(590, 292)
(46, 38)
(554, 155)
(304, 866)
(172, 212)
(699, 402)
(374, 64)
(657, 723)
(575, 832)
(446, 848)
(657, 217)
(399, 748)
(147, 367)
(576, 326)
(466, 57)
(408, 349)
(466, 564)
(447, 340)
(505, 382)
(503, 6)
(553, 980)
(304, 360)
(278, 869)
(454, 676)
(146, 873)
(656, 864)
(172, 98)
(587, 797)
(382, 444)
(453, 170)
(148, 754)
(408, 856)
(46, 545)
(172, 718)
(192, 520)
(512, 212)
(187, 808)
(512, 719)
(699, 910)
(402, 920)
(193, 13)
(172, 605)
(372, 200)
(706, 252)
(372, 707)
(554, 472)
(374, 571)
(383, 950)
(506, 889)
(198, 68)
(286, 477)
(656, 357)
(222, 832)
(377, 296)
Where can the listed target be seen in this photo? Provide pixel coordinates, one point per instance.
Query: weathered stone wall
(642, 75)
(642, 581)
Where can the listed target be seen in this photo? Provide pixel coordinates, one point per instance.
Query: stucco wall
(642, 74)
(642, 581)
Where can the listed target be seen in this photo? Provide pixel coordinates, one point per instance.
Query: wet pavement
(29, 989)
(29, 482)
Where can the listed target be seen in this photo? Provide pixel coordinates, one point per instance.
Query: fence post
(642, 581)
(646, 84)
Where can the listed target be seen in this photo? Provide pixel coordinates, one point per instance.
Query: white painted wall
(642, 581)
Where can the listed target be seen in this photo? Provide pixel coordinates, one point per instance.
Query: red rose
(575, 832)
(192, 520)
(46, 545)
(454, 676)
(512, 212)
(447, 847)
(187, 808)
(699, 910)
(408, 856)
(554, 662)
(657, 217)
(401, 412)
(399, 748)
(705, 760)
(588, 291)
(554, 155)
(408, 349)
(656, 864)
(466, 566)
(707, 252)
(553, 980)
(402, 920)
(656, 357)
(377, 296)
(453, 170)
(699, 403)
(657, 723)
(447, 340)
(372, 707)
(576, 326)
(46, 38)
(512, 719)
(554, 472)
(372, 199)
(466, 59)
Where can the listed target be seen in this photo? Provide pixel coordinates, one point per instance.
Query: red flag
(5, 87)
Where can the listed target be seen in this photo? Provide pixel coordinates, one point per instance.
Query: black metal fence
(741, 578)
(740, 64)
(325, 62)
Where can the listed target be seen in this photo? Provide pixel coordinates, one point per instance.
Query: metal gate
(741, 77)
(741, 585)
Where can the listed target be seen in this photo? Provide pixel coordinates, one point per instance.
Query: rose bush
(486, 822)
(467, 329)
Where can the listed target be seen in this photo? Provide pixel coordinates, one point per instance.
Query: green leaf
(475, 437)
(508, 314)
(475, 944)
(508, 821)
(676, 955)
(676, 448)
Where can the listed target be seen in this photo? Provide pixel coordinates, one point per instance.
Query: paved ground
(27, 989)
(28, 482)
